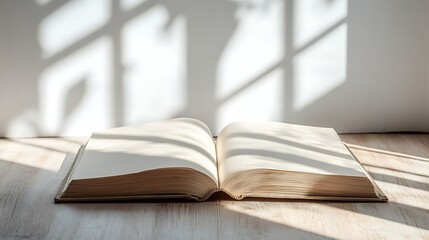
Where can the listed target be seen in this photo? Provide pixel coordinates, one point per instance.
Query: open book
(179, 158)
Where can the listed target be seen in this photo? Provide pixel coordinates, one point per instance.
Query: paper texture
(243, 146)
(185, 143)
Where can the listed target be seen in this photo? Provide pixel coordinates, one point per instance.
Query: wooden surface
(32, 169)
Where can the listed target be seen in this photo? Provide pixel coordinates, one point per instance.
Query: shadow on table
(392, 211)
(28, 211)
(414, 145)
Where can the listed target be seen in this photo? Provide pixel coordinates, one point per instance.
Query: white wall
(72, 67)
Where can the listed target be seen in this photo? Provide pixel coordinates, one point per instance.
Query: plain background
(73, 67)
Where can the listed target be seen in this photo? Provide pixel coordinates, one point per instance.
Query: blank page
(174, 143)
(245, 146)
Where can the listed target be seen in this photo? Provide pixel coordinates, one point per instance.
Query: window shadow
(395, 212)
(414, 146)
(63, 145)
(27, 210)
(382, 177)
(204, 220)
(395, 170)
(157, 139)
(281, 157)
(27, 197)
(273, 138)
(210, 28)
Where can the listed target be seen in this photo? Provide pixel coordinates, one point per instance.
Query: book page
(245, 146)
(176, 143)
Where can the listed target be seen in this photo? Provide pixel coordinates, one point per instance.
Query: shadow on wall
(134, 61)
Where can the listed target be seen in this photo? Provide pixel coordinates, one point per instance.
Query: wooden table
(32, 169)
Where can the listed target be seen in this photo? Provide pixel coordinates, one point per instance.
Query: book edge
(65, 181)
(381, 197)
(380, 194)
(276, 197)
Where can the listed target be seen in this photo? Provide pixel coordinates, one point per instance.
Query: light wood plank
(32, 169)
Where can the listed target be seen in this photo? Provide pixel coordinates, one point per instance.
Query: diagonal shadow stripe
(288, 59)
(250, 83)
(319, 37)
(120, 19)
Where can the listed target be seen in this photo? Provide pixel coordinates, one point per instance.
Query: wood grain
(31, 171)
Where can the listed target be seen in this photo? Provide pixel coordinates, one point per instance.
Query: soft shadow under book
(179, 158)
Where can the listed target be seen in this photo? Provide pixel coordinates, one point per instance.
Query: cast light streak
(118, 162)
(272, 214)
(381, 151)
(70, 23)
(51, 164)
(255, 46)
(320, 68)
(379, 221)
(16, 153)
(327, 212)
(152, 52)
(396, 194)
(92, 65)
(43, 2)
(130, 4)
(154, 59)
(398, 189)
(420, 176)
(261, 101)
(312, 17)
